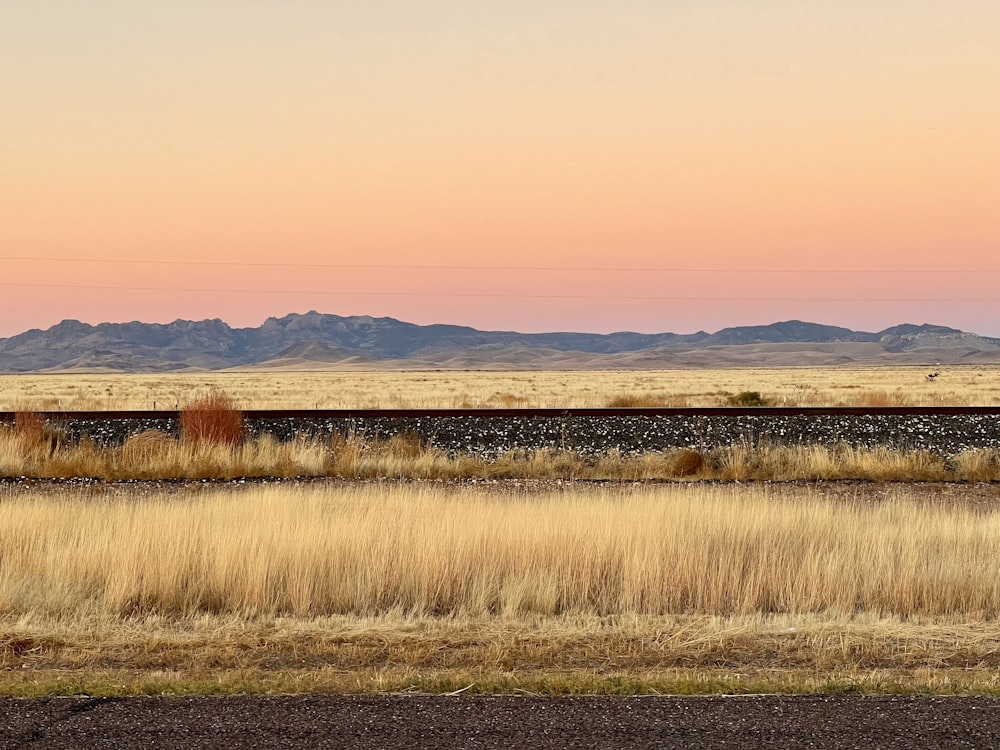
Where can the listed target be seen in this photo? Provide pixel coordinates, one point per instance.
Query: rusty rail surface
(694, 411)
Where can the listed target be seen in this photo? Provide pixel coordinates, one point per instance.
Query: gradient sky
(544, 165)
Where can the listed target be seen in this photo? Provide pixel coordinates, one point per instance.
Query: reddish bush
(36, 433)
(30, 426)
(214, 418)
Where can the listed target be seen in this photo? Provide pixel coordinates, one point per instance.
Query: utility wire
(496, 295)
(456, 267)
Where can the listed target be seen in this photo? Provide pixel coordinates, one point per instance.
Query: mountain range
(319, 341)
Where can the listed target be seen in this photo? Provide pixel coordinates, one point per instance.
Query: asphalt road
(474, 722)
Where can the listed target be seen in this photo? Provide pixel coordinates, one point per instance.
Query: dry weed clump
(687, 463)
(214, 418)
(978, 465)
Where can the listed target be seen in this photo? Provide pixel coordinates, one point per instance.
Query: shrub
(687, 463)
(214, 419)
(747, 398)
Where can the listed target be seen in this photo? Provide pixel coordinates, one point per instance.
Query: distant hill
(318, 341)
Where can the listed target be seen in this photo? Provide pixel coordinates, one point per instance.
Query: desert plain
(267, 388)
(513, 583)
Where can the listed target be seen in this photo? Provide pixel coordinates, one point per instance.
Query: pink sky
(531, 166)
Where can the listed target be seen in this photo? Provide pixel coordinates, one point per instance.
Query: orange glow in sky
(551, 165)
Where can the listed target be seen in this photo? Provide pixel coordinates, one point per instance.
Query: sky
(536, 166)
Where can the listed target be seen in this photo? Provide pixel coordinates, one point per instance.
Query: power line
(462, 267)
(494, 295)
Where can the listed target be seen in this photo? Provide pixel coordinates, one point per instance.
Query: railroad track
(252, 415)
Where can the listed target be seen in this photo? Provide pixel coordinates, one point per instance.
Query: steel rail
(252, 415)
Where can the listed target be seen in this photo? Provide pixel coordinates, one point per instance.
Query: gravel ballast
(947, 435)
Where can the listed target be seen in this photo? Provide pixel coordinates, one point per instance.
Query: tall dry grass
(418, 551)
(157, 455)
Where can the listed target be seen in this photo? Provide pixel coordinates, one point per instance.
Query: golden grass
(680, 588)
(827, 386)
(666, 589)
(157, 455)
(421, 551)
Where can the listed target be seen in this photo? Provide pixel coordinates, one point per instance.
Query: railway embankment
(946, 431)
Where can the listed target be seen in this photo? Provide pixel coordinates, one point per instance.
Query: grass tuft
(687, 463)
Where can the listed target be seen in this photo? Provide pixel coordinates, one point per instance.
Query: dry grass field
(445, 573)
(827, 386)
(683, 588)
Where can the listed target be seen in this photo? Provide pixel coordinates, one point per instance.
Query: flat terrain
(496, 614)
(416, 722)
(788, 386)
(548, 588)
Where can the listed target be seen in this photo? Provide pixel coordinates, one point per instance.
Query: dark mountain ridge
(213, 344)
